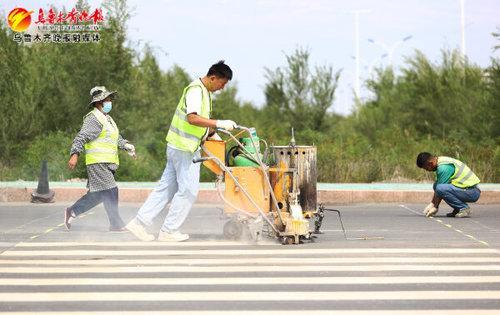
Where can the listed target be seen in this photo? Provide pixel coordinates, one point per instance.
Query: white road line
(143, 244)
(247, 281)
(239, 252)
(449, 226)
(276, 312)
(249, 260)
(248, 296)
(243, 269)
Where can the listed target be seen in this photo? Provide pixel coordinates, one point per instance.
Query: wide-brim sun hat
(100, 93)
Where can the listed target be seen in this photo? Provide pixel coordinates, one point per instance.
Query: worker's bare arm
(436, 200)
(199, 121)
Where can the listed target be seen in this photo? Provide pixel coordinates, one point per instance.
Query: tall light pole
(371, 67)
(462, 28)
(356, 40)
(390, 49)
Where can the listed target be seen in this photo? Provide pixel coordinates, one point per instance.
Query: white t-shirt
(194, 99)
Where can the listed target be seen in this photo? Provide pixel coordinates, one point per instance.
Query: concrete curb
(377, 196)
(330, 195)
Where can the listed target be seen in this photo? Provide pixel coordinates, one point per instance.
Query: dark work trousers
(110, 199)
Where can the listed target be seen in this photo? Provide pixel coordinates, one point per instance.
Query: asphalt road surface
(395, 261)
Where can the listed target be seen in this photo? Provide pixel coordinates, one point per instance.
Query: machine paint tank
(248, 157)
(303, 160)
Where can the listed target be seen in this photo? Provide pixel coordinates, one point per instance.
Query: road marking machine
(272, 192)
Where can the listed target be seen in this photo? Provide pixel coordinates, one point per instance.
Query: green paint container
(243, 159)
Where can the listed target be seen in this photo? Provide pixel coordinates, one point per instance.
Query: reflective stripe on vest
(181, 134)
(103, 149)
(463, 176)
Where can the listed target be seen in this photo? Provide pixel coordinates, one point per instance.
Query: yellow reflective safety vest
(182, 134)
(463, 177)
(103, 149)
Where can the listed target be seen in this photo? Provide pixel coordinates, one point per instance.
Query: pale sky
(251, 35)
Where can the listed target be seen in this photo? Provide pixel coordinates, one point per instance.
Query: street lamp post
(356, 35)
(374, 62)
(390, 49)
(370, 66)
(462, 28)
(356, 40)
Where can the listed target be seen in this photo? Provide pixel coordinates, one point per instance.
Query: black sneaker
(452, 214)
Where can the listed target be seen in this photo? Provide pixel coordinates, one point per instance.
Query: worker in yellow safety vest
(455, 182)
(179, 184)
(99, 138)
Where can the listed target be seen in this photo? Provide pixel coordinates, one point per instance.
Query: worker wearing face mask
(100, 139)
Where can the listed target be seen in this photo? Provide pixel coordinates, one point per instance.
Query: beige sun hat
(99, 93)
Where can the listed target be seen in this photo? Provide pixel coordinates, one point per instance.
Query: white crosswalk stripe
(256, 261)
(247, 296)
(227, 277)
(309, 312)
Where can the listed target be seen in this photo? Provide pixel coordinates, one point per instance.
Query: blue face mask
(106, 107)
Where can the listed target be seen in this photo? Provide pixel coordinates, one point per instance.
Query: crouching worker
(455, 183)
(100, 139)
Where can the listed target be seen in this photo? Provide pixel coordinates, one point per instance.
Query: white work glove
(430, 210)
(226, 124)
(130, 149)
(215, 136)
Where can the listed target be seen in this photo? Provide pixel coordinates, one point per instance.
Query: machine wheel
(233, 229)
(287, 240)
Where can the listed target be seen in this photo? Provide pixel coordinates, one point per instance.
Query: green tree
(298, 97)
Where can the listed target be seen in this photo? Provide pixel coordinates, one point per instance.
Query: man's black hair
(221, 70)
(423, 158)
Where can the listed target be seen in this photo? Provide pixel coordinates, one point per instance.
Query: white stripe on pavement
(248, 296)
(143, 244)
(238, 252)
(309, 312)
(252, 260)
(247, 281)
(243, 269)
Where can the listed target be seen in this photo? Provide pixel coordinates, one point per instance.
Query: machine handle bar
(201, 159)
